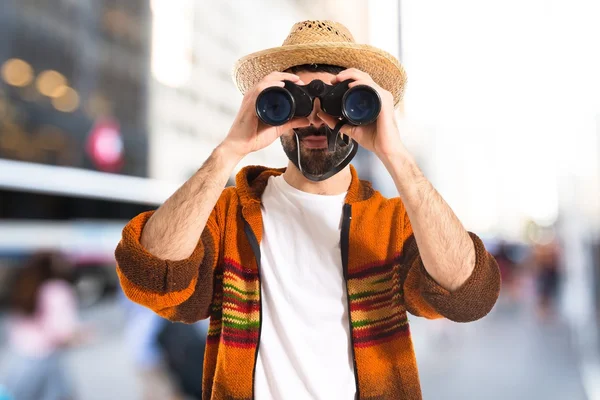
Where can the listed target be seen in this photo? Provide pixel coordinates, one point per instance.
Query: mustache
(323, 130)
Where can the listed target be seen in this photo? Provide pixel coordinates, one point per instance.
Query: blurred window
(22, 205)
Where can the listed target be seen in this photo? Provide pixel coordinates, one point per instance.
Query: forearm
(445, 246)
(173, 231)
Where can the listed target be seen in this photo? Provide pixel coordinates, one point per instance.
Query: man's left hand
(382, 137)
(445, 247)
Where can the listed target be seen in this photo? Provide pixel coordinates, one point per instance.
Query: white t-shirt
(305, 343)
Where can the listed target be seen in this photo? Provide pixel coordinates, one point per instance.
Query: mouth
(315, 142)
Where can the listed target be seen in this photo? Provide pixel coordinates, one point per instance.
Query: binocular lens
(361, 105)
(275, 106)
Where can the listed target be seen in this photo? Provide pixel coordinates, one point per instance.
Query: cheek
(288, 142)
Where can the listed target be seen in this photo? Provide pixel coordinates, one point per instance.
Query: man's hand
(445, 246)
(382, 136)
(248, 134)
(173, 231)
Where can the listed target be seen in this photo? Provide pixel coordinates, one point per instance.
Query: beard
(314, 161)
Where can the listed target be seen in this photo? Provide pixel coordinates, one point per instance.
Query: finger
(283, 76)
(287, 128)
(354, 74)
(253, 94)
(332, 122)
(328, 119)
(296, 123)
(276, 79)
(267, 84)
(364, 82)
(385, 95)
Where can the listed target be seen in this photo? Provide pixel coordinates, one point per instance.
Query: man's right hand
(248, 134)
(173, 231)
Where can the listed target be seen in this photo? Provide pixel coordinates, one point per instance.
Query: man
(308, 281)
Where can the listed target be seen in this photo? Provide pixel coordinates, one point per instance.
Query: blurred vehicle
(79, 213)
(86, 244)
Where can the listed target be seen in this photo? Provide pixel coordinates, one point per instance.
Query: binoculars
(359, 105)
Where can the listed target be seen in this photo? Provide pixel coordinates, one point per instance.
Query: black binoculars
(359, 105)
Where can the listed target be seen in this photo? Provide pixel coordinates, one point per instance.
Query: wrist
(405, 172)
(230, 153)
(396, 161)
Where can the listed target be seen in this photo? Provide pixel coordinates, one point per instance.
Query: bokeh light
(51, 83)
(68, 101)
(17, 72)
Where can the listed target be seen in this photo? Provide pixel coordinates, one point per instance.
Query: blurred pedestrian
(42, 324)
(509, 271)
(546, 259)
(142, 332)
(183, 347)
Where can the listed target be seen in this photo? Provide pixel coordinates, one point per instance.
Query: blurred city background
(107, 106)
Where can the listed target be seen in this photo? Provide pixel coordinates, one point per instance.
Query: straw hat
(322, 42)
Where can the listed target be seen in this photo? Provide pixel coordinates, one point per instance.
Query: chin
(312, 150)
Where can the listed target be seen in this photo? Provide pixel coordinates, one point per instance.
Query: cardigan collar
(251, 182)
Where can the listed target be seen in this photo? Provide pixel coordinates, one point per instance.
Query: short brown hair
(331, 69)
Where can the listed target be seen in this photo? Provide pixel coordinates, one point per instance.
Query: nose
(313, 118)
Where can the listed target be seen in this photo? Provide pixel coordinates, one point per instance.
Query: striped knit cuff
(150, 273)
(475, 298)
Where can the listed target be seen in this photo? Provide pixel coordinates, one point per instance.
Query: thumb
(328, 119)
(295, 123)
(331, 122)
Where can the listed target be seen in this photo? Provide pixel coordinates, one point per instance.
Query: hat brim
(383, 67)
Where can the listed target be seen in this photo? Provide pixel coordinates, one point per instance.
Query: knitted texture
(385, 280)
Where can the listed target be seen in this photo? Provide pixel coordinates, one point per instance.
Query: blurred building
(73, 126)
(193, 100)
(72, 69)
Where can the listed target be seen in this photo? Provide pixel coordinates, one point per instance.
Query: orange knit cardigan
(385, 279)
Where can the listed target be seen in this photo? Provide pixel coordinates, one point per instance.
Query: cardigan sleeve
(423, 296)
(179, 290)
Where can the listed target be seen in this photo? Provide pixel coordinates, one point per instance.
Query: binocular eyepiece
(359, 105)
